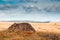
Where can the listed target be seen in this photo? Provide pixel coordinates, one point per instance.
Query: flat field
(44, 31)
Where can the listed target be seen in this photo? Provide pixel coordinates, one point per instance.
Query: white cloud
(29, 11)
(2, 14)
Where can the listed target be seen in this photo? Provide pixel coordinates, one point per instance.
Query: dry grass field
(5, 25)
(44, 31)
(5, 35)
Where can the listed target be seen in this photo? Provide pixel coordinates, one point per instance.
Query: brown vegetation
(5, 35)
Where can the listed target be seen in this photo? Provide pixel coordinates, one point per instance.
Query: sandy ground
(39, 27)
(47, 27)
(5, 25)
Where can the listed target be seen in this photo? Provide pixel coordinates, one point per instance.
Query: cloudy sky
(33, 10)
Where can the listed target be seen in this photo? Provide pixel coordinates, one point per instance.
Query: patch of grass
(5, 35)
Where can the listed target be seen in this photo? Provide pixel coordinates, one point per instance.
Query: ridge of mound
(21, 27)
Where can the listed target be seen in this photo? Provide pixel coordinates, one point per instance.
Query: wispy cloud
(37, 10)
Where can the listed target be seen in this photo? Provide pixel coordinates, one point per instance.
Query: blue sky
(34, 10)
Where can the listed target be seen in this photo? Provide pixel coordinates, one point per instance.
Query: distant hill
(24, 21)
